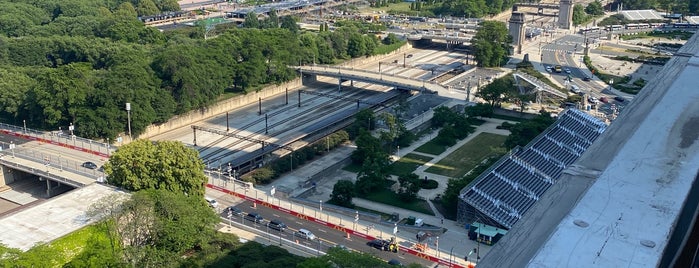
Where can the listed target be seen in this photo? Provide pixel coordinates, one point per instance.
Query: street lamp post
(128, 116)
(356, 216)
(25, 125)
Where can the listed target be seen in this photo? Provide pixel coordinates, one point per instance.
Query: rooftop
(642, 15)
(620, 203)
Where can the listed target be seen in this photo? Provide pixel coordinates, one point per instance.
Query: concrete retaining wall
(239, 101)
(219, 108)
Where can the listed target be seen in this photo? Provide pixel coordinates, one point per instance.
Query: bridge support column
(7, 175)
(517, 29)
(565, 14)
(352, 83)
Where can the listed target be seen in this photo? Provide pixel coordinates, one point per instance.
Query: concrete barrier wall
(219, 108)
(239, 101)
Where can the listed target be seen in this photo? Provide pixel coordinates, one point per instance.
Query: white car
(306, 234)
(567, 70)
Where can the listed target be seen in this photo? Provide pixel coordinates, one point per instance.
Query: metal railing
(49, 160)
(60, 138)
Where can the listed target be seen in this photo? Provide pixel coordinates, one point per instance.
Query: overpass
(456, 38)
(373, 77)
(540, 85)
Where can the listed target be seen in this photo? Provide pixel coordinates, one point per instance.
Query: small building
(485, 234)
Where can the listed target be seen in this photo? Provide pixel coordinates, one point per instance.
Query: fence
(351, 225)
(58, 162)
(59, 138)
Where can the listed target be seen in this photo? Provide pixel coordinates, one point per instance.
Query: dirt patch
(690, 132)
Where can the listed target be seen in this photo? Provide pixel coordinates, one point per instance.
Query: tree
(367, 147)
(390, 39)
(147, 7)
(522, 133)
(343, 192)
(289, 23)
(479, 110)
(595, 9)
(155, 227)
(251, 20)
(491, 43)
(409, 186)
(579, 16)
(167, 165)
(496, 92)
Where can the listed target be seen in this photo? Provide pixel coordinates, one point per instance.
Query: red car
(604, 99)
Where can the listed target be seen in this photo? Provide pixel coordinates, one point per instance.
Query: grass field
(408, 163)
(462, 160)
(388, 197)
(431, 147)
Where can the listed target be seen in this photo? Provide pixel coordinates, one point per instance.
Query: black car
(276, 225)
(587, 78)
(254, 217)
(234, 211)
(395, 262)
(379, 244)
(89, 165)
(619, 99)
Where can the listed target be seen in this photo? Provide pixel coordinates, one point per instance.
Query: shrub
(429, 184)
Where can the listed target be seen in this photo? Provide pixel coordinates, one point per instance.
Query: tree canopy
(79, 62)
(491, 44)
(167, 165)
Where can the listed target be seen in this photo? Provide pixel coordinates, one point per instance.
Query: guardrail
(350, 226)
(60, 139)
(49, 160)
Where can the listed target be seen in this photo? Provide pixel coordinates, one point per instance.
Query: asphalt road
(567, 51)
(326, 237)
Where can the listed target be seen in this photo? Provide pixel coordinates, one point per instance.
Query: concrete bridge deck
(381, 78)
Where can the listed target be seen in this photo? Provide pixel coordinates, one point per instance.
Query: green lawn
(431, 147)
(62, 250)
(408, 163)
(388, 197)
(403, 7)
(467, 157)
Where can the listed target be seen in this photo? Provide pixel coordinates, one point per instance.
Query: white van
(212, 202)
(306, 234)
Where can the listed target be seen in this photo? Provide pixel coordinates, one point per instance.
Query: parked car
(254, 217)
(395, 262)
(89, 165)
(305, 234)
(567, 70)
(234, 211)
(409, 56)
(379, 244)
(619, 99)
(276, 225)
(212, 202)
(604, 99)
(587, 78)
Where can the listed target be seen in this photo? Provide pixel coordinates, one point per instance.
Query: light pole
(380, 74)
(356, 215)
(128, 116)
(25, 125)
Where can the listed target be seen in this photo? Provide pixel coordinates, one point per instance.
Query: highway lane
(326, 237)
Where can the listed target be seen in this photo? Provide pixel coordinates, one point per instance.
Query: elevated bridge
(373, 77)
(540, 85)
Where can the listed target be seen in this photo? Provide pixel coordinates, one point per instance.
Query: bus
(589, 30)
(617, 27)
